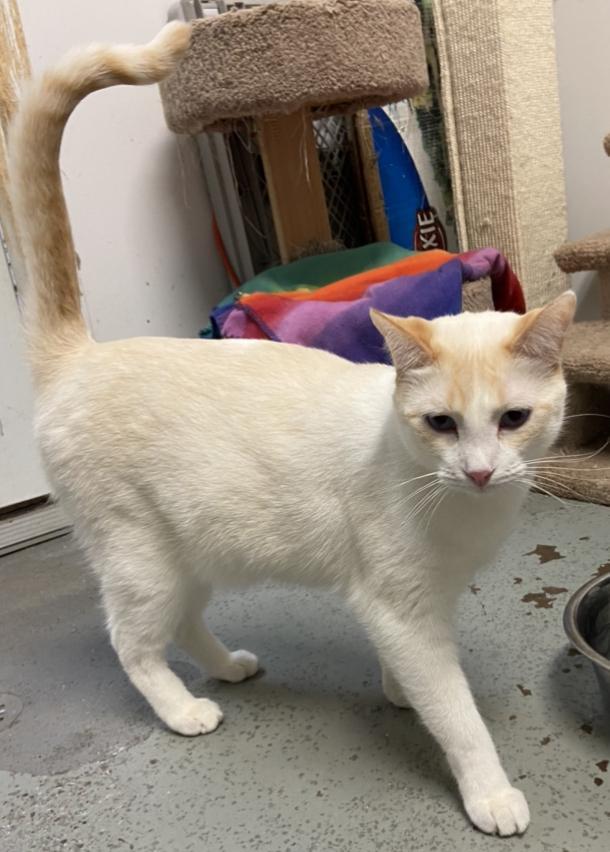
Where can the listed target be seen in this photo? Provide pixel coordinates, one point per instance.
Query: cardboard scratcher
(587, 366)
(281, 66)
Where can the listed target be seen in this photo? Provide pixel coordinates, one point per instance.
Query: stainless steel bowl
(587, 622)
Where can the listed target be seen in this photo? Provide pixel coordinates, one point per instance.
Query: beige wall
(139, 209)
(583, 57)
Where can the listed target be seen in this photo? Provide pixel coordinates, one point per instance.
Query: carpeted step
(587, 352)
(586, 255)
(338, 55)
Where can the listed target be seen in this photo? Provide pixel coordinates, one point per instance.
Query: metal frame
(216, 162)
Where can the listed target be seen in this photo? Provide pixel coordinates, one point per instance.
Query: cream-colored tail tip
(569, 296)
(172, 41)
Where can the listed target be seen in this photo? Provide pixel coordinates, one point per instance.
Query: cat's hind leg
(194, 636)
(144, 601)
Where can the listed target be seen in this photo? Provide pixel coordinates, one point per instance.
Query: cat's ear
(541, 332)
(408, 339)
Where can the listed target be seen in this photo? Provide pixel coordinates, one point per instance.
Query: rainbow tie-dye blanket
(335, 317)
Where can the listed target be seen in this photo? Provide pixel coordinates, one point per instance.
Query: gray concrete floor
(310, 756)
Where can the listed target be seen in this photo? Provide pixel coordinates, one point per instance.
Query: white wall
(143, 230)
(21, 476)
(583, 39)
(138, 205)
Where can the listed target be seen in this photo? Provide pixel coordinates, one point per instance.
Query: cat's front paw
(504, 813)
(199, 716)
(241, 665)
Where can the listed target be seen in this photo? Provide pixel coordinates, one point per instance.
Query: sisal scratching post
(501, 110)
(284, 65)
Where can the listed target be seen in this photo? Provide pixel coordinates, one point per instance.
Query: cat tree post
(587, 367)
(294, 181)
(603, 277)
(501, 113)
(281, 66)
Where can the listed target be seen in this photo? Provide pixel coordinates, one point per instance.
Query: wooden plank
(14, 69)
(294, 181)
(370, 174)
(21, 475)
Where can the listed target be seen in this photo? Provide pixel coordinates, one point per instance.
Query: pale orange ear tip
(571, 297)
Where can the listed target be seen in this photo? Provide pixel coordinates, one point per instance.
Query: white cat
(190, 465)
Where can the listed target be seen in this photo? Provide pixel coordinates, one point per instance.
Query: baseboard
(26, 527)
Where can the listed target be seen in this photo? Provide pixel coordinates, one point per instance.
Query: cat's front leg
(420, 652)
(392, 690)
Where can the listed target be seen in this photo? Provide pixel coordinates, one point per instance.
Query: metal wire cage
(343, 188)
(233, 167)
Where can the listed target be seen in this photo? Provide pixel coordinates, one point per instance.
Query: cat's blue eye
(441, 422)
(514, 418)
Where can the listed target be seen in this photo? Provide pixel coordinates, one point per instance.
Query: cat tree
(281, 66)
(587, 366)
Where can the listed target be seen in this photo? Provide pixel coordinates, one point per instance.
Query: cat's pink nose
(479, 477)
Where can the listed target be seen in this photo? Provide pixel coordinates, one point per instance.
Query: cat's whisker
(575, 455)
(409, 496)
(519, 482)
(554, 483)
(543, 488)
(562, 469)
(414, 479)
(417, 508)
(570, 456)
(442, 496)
(423, 513)
(544, 491)
(387, 489)
(587, 414)
(426, 500)
(559, 458)
(395, 486)
(569, 494)
(422, 489)
(558, 462)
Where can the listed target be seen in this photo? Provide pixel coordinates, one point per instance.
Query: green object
(316, 271)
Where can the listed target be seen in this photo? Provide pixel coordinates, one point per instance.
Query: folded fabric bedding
(335, 317)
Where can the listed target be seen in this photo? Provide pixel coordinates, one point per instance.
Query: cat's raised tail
(53, 319)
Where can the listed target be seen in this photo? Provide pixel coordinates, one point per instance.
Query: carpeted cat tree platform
(587, 365)
(282, 65)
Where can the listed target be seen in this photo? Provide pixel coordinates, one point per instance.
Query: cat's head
(478, 395)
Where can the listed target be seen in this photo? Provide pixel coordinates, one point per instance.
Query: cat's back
(179, 370)
(253, 439)
(136, 395)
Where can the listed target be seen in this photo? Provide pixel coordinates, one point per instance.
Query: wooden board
(21, 475)
(370, 175)
(14, 67)
(294, 181)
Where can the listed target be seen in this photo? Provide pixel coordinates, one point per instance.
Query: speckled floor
(310, 756)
